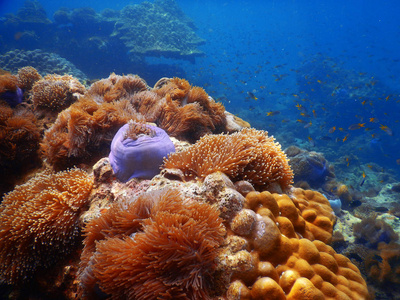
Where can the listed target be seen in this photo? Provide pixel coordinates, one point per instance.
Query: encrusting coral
(158, 245)
(39, 221)
(245, 155)
(267, 257)
(138, 150)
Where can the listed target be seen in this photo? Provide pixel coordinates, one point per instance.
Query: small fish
(300, 121)
(345, 138)
(356, 126)
(252, 96)
(308, 125)
(363, 180)
(386, 129)
(373, 120)
(347, 161)
(332, 130)
(313, 112)
(273, 113)
(311, 141)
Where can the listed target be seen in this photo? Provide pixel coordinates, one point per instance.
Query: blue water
(317, 65)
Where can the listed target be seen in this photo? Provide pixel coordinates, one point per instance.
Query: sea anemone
(27, 76)
(138, 150)
(116, 87)
(188, 112)
(159, 245)
(10, 92)
(83, 132)
(39, 222)
(55, 92)
(246, 155)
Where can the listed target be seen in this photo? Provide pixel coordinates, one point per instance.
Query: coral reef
(139, 153)
(157, 29)
(27, 76)
(188, 112)
(44, 62)
(82, 133)
(371, 232)
(276, 244)
(309, 166)
(116, 87)
(19, 145)
(165, 243)
(56, 92)
(376, 252)
(69, 141)
(249, 154)
(39, 221)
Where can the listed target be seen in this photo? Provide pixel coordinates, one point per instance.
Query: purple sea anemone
(12, 98)
(141, 156)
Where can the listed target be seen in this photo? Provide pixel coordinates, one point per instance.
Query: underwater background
(320, 76)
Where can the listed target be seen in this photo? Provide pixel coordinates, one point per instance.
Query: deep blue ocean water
(323, 75)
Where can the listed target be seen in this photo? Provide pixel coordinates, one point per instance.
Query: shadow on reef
(113, 40)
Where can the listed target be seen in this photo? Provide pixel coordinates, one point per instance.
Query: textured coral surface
(270, 259)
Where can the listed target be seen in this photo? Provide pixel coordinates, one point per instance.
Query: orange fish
(373, 120)
(311, 141)
(332, 130)
(308, 125)
(386, 129)
(363, 180)
(356, 126)
(273, 113)
(345, 138)
(252, 96)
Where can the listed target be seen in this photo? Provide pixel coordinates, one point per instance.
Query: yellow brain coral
(246, 155)
(267, 256)
(39, 222)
